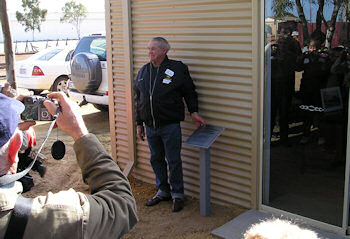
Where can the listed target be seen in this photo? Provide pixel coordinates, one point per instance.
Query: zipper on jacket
(154, 121)
(151, 90)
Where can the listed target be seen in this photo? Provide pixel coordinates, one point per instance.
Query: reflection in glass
(307, 78)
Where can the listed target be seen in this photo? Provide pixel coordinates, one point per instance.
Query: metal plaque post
(203, 138)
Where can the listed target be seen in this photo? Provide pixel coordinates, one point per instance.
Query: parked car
(45, 70)
(88, 80)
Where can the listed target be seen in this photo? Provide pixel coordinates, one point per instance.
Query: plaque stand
(203, 138)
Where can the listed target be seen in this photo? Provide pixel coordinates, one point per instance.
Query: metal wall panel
(117, 21)
(214, 38)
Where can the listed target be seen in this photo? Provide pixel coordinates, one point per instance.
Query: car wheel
(103, 108)
(60, 84)
(86, 72)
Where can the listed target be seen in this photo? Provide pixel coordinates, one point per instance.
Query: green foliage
(74, 13)
(282, 8)
(32, 15)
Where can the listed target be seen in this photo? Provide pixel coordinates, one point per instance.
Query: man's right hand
(140, 132)
(69, 119)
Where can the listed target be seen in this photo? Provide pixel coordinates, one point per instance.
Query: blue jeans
(166, 141)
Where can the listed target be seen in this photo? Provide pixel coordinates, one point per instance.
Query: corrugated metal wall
(214, 38)
(117, 56)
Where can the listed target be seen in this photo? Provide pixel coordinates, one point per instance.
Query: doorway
(306, 88)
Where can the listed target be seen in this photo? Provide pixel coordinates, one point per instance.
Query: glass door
(306, 88)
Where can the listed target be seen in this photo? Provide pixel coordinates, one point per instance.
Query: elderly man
(160, 88)
(110, 210)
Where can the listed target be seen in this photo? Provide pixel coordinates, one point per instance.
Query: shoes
(178, 204)
(27, 182)
(156, 199)
(41, 169)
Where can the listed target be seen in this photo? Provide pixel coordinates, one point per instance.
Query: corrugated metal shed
(216, 40)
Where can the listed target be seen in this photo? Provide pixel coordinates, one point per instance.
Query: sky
(56, 5)
(327, 11)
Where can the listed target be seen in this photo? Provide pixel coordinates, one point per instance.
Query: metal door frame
(265, 153)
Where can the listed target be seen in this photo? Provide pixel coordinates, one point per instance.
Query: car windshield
(47, 56)
(95, 45)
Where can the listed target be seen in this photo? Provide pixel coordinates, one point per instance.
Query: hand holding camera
(69, 120)
(35, 109)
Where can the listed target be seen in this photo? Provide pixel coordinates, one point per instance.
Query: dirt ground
(154, 222)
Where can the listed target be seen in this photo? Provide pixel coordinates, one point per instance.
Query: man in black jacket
(160, 88)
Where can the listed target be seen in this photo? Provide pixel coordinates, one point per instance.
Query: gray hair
(163, 43)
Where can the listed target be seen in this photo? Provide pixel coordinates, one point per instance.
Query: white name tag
(169, 72)
(166, 81)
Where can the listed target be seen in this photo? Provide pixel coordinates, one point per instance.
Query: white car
(45, 70)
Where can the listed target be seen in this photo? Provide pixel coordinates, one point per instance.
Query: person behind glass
(315, 66)
(334, 123)
(160, 87)
(110, 210)
(284, 56)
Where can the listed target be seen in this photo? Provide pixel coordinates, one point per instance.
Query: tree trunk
(9, 56)
(301, 14)
(331, 26)
(319, 15)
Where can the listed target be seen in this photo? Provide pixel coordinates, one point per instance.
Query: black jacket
(167, 98)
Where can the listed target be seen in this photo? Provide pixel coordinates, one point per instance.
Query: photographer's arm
(112, 206)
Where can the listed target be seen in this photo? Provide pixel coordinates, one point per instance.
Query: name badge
(169, 72)
(166, 81)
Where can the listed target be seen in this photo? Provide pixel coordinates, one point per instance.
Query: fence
(28, 47)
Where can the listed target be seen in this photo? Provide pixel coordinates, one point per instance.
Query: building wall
(218, 41)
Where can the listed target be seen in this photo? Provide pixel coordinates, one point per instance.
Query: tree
(32, 17)
(74, 13)
(280, 7)
(9, 56)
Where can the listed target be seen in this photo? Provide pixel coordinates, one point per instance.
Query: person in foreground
(278, 229)
(160, 88)
(110, 210)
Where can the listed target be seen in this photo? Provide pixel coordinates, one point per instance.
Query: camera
(35, 109)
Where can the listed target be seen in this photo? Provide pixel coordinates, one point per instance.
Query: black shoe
(41, 169)
(156, 199)
(178, 204)
(27, 182)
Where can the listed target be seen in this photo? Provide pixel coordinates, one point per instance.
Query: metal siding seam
(112, 116)
(127, 40)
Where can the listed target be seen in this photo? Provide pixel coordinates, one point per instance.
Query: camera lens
(44, 114)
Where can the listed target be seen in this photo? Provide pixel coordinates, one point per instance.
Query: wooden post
(9, 56)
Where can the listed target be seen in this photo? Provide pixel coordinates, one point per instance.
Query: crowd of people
(321, 95)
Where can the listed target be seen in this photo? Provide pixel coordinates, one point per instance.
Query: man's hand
(197, 119)
(140, 132)
(69, 119)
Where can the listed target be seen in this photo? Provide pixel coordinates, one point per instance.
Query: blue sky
(327, 10)
(56, 5)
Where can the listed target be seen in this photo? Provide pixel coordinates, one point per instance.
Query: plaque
(203, 137)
